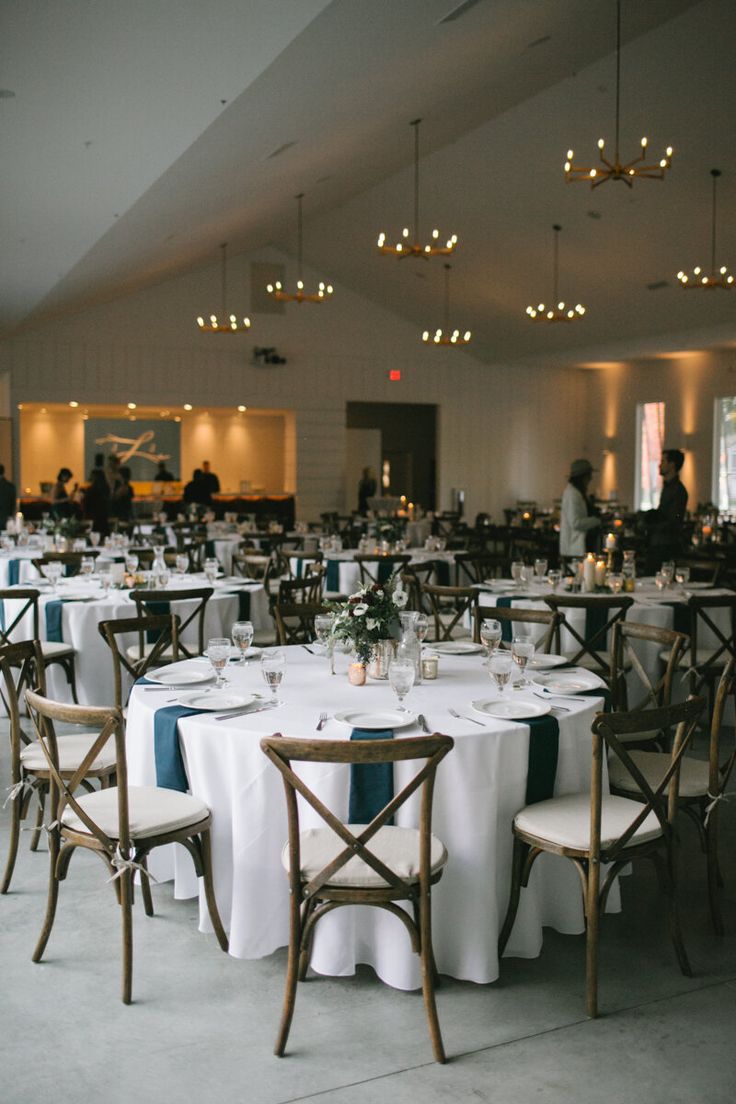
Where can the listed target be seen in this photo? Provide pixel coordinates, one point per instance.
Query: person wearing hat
(577, 517)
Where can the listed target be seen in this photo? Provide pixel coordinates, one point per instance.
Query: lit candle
(610, 542)
(589, 572)
(600, 573)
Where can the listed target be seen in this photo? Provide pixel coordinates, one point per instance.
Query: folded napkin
(371, 784)
(332, 578)
(243, 603)
(53, 620)
(156, 608)
(598, 692)
(506, 626)
(13, 572)
(544, 746)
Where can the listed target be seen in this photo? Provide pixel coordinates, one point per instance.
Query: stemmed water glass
(517, 572)
(218, 653)
(500, 668)
(554, 578)
(242, 633)
(682, 575)
(401, 675)
(182, 564)
(86, 566)
(131, 563)
(105, 575)
(615, 582)
(421, 626)
(211, 569)
(53, 572)
(540, 570)
(490, 635)
(522, 652)
(668, 571)
(273, 664)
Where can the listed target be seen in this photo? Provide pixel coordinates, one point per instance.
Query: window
(725, 454)
(649, 442)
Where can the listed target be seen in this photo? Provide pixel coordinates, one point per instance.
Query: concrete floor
(203, 1024)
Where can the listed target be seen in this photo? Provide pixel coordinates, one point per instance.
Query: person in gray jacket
(576, 516)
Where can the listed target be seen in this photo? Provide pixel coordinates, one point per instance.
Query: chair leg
(711, 842)
(666, 867)
(517, 865)
(71, 678)
(209, 891)
(428, 974)
(126, 908)
(305, 952)
(35, 838)
(292, 976)
(15, 817)
(52, 897)
(592, 914)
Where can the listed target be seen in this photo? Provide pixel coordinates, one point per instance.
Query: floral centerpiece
(368, 617)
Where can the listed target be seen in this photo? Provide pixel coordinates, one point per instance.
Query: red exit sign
(394, 374)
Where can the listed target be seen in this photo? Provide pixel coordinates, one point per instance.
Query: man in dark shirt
(665, 525)
(8, 498)
(210, 479)
(197, 491)
(163, 475)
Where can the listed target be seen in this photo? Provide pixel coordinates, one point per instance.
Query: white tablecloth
(349, 571)
(82, 615)
(480, 786)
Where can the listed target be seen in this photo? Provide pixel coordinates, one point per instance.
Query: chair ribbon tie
(121, 864)
(714, 799)
(48, 828)
(16, 791)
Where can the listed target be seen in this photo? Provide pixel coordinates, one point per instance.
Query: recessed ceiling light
(132, 406)
(73, 404)
(177, 418)
(242, 409)
(187, 406)
(20, 406)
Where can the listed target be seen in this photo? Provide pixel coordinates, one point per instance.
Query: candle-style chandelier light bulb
(615, 169)
(410, 244)
(276, 289)
(226, 323)
(557, 310)
(444, 335)
(716, 278)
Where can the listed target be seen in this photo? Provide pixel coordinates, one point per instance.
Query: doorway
(408, 447)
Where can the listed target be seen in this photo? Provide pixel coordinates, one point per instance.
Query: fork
(423, 723)
(321, 722)
(462, 717)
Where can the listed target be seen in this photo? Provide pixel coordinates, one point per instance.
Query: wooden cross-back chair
(53, 651)
(476, 567)
(153, 602)
(702, 786)
(22, 668)
(348, 864)
(146, 556)
(597, 828)
(308, 588)
(627, 668)
(712, 644)
(547, 619)
(304, 563)
(376, 568)
(122, 824)
(413, 578)
(450, 607)
(186, 532)
(249, 563)
(295, 621)
(70, 561)
(590, 646)
(165, 649)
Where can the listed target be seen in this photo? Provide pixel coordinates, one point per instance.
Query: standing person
(366, 489)
(124, 496)
(577, 518)
(62, 502)
(666, 524)
(163, 475)
(210, 479)
(97, 497)
(196, 490)
(8, 498)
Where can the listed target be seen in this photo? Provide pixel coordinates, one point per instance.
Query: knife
(245, 711)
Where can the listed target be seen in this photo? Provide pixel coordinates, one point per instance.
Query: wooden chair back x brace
(348, 864)
(122, 824)
(53, 651)
(165, 648)
(590, 647)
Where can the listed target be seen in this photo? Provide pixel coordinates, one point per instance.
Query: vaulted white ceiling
(141, 135)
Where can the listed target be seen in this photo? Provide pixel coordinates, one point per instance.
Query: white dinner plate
(511, 709)
(375, 720)
(500, 584)
(542, 660)
(216, 699)
(181, 674)
(569, 682)
(456, 647)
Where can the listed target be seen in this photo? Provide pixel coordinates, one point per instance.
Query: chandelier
(405, 247)
(445, 336)
(559, 311)
(299, 296)
(616, 170)
(722, 278)
(229, 323)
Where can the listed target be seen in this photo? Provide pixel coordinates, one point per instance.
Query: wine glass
(182, 564)
(490, 635)
(401, 675)
(522, 652)
(554, 578)
(131, 563)
(517, 572)
(615, 582)
(660, 580)
(161, 579)
(105, 574)
(668, 571)
(53, 572)
(218, 653)
(86, 566)
(242, 633)
(421, 626)
(540, 570)
(682, 575)
(211, 569)
(94, 538)
(500, 668)
(273, 664)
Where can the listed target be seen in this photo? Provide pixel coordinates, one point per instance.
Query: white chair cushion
(398, 848)
(566, 821)
(653, 765)
(133, 652)
(54, 649)
(72, 750)
(152, 811)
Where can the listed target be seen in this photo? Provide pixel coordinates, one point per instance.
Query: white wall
(503, 434)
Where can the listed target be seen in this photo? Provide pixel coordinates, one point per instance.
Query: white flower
(400, 598)
(360, 609)
(371, 623)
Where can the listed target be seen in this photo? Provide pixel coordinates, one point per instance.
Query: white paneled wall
(503, 434)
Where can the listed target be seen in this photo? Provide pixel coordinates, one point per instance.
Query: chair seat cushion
(589, 663)
(152, 811)
(653, 765)
(398, 848)
(566, 821)
(72, 750)
(53, 649)
(133, 652)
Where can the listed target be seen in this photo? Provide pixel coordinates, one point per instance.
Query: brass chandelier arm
(716, 278)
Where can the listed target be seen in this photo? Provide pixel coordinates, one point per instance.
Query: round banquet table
(343, 573)
(480, 786)
(84, 606)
